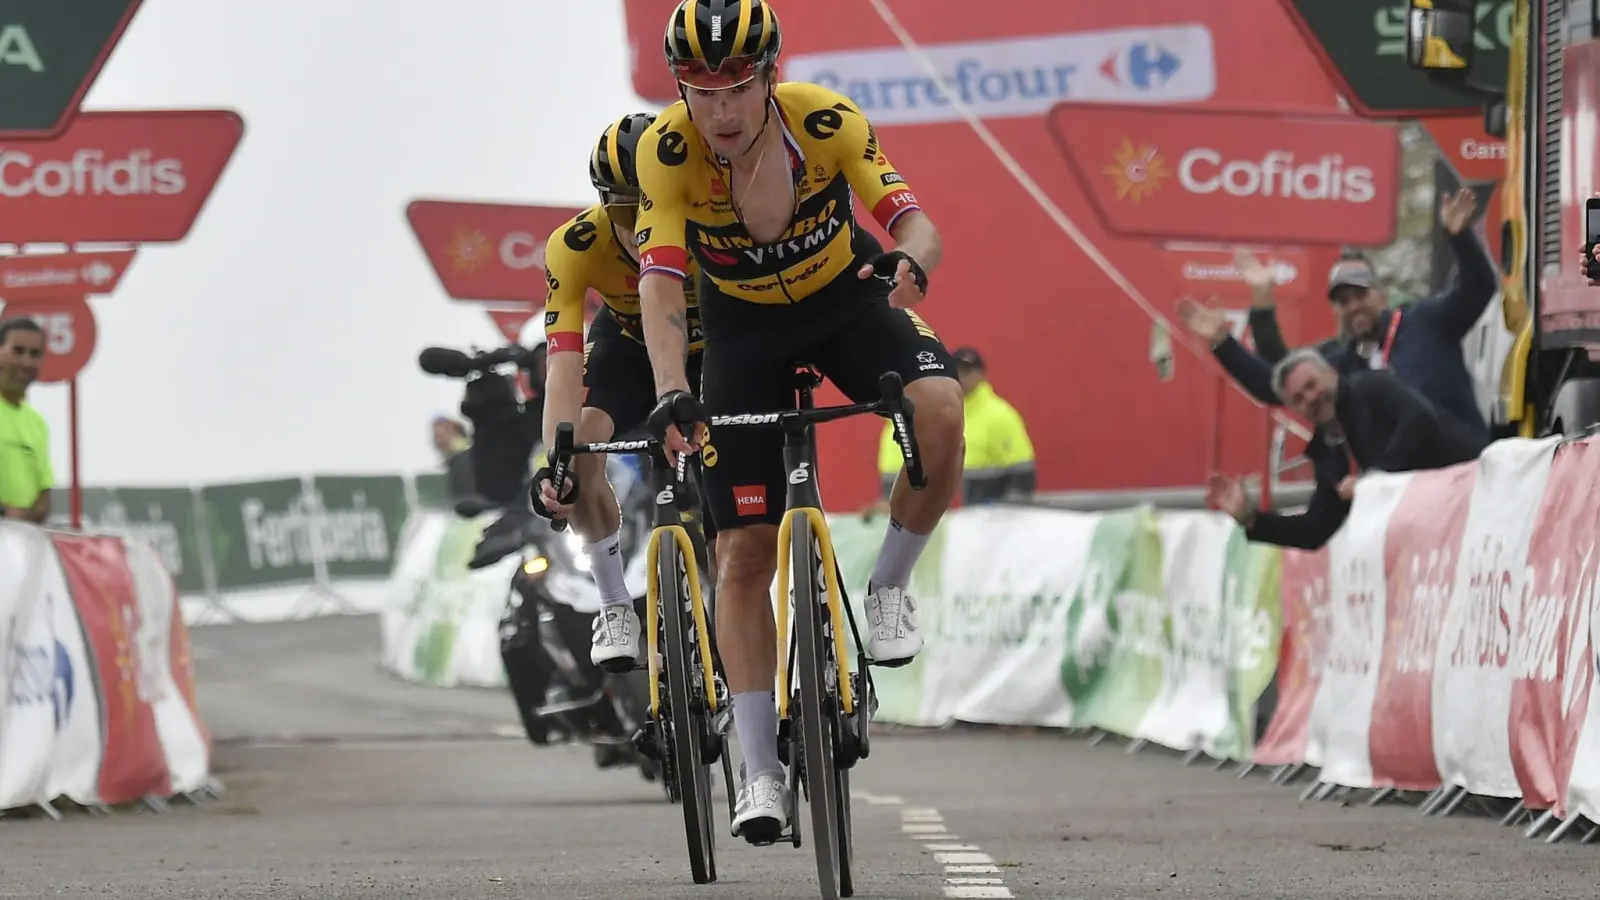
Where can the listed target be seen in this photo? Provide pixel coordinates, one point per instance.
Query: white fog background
(282, 336)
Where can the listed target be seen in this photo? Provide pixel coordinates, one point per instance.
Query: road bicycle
(822, 728)
(690, 708)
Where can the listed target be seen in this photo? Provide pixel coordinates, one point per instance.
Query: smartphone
(1591, 218)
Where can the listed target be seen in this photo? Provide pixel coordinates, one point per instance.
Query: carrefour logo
(1020, 76)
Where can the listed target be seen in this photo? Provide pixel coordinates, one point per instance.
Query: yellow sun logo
(1138, 170)
(469, 250)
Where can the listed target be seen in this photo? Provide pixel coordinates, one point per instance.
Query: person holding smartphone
(1591, 240)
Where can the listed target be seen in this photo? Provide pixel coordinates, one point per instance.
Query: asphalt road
(343, 783)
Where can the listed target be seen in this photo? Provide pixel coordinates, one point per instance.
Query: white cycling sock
(755, 721)
(605, 564)
(898, 555)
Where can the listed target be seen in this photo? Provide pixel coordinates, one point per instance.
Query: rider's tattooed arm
(666, 329)
(680, 322)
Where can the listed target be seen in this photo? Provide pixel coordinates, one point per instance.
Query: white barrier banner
(1472, 679)
(1353, 625)
(49, 726)
(1163, 628)
(1001, 612)
(187, 751)
(442, 624)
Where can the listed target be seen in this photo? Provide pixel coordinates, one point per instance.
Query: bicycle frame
(804, 498)
(687, 739)
(667, 520)
(831, 728)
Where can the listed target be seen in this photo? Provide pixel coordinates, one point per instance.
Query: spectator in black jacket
(1420, 342)
(1365, 422)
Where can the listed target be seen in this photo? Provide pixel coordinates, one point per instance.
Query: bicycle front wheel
(816, 714)
(688, 714)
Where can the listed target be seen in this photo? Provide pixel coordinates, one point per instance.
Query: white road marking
(968, 871)
(977, 890)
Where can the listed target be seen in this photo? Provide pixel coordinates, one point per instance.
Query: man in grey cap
(1420, 342)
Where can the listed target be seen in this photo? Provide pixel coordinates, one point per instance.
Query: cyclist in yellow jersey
(755, 181)
(595, 250)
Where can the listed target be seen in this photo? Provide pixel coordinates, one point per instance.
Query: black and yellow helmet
(717, 44)
(611, 165)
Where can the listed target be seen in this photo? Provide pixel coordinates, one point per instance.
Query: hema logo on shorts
(750, 499)
(1020, 76)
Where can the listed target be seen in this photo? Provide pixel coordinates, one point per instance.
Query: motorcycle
(550, 605)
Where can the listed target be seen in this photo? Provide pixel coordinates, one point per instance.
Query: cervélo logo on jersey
(115, 176)
(1203, 175)
(1021, 76)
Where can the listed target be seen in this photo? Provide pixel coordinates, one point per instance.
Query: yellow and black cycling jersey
(583, 253)
(686, 214)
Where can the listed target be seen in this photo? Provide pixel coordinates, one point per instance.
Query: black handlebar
(898, 407)
(560, 461)
(565, 447)
(893, 404)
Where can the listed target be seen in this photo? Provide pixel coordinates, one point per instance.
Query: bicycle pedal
(890, 663)
(762, 837)
(621, 666)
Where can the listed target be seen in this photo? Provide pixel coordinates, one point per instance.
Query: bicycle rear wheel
(688, 717)
(816, 714)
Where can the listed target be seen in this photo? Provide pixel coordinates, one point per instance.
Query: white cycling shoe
(761, 811)
(893, 636)
(615, 647)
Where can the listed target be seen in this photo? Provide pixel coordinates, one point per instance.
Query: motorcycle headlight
(536, 566)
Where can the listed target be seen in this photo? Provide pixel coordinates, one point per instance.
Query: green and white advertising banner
(1159, 626)
(292, 537)
(441, 626)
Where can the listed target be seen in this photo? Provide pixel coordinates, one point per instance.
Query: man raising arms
(756, 180)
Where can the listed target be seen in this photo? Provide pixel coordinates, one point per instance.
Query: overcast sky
(282, 336)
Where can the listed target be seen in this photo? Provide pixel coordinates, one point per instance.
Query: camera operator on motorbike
(597, 249)
(505, 432)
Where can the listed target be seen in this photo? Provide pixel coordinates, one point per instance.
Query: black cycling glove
(536, 492)
(679, 408)
(884, 266)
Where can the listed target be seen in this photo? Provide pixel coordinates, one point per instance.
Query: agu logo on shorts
(750, 499)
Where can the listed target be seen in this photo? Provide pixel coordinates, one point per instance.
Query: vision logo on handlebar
(892, 404)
